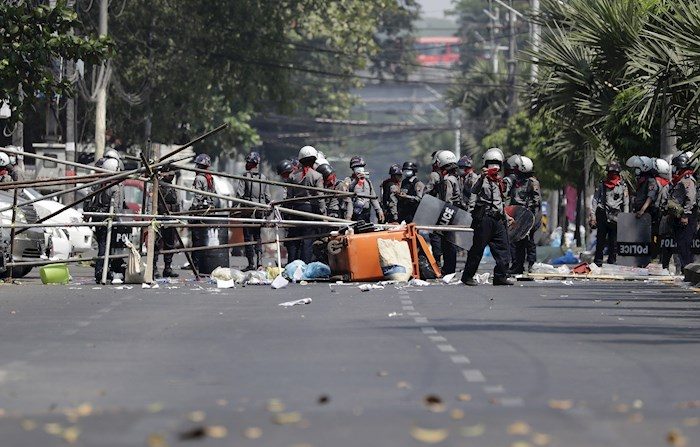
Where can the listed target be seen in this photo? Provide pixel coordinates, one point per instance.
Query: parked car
(30, 245)
(80, 238)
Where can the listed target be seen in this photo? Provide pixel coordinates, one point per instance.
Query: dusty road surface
(546, 363)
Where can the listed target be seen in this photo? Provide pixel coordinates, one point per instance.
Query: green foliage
(33, 40)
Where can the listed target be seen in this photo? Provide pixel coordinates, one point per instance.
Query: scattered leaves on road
(457, 414)
(252, 433)
(464, 397)
(403, 385)
(289, 418)
(382, 373)
(691, 422)
(28, 424)
(519, 428)
(676, 439)
(473, 431)
(156, 440)
(196, 416)
(429, 435)
(434, 403)
(217, 431)
(688, 404)
(193, 433)
(560, 404)
(323, 399)
(274, 406)
(541, 439)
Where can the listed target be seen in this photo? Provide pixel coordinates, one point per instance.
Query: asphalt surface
(541, 363)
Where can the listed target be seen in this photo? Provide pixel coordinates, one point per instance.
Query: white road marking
(473, 375)
(497, 389)
(446, 348)
(460, 359)
(421, 320)
(406, 302)
(413, 314)
(428, 330)
(437, 338)
(409, 308)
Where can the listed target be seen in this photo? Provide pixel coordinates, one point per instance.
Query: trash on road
(296, 303)
(394, 314)
(482, 278)
(395, 259)
(294, 271)
(225, 284)
(55, 274)
(316, 270)
(415, 282)
(368, 287)
(280, 282)
(429, 435)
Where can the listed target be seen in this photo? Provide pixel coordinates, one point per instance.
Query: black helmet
(394, 170)
(465, 162)
(409, 166)
(325, 170)
(284, 166)
(356, 162)
(253, 157)
(681, 161)
(203, 160)
(613, 166)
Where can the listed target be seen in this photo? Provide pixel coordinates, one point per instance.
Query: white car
(80, 238)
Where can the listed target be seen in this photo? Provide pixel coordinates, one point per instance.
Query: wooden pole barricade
(105, 265)
(12, 230)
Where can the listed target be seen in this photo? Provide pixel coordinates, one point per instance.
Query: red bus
(437, 51)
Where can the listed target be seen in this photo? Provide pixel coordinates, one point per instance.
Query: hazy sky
(434, 8)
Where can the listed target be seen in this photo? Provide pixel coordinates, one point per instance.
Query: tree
(34, 38)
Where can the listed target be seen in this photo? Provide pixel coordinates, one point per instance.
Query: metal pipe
(12, 230)
(276, 183)
(108, 247)
(50, 182)
(193, 142)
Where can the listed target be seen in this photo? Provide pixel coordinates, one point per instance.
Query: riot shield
(433, 211)
(634, 245)
(523, 222)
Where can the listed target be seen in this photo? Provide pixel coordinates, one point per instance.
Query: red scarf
(4, 171)
(210, 181)
(613, 180)
(305, 170)
(678, 177)
(662, 181)
(492, 175)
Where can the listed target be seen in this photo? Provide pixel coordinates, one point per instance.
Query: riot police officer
(682, 207)
(489, 221)
(646, 194)
(111, 198)
(411, 192)
(610, 199)
(5, 168)
(448, 190)
(362, 186)
(166, 237)
(305, 176)
(339, 207)
(433, 180)
(202, 182)
(390, 189)
(467, 176)
(285, 168)
(253, 192)
(526, 192)
(112, 153)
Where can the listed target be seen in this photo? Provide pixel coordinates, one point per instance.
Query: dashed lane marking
(473, 375)
(421, 320)
(446, 348)
(428, 330)
(437, 338)
(497, 389)
(409, 308)
(460, 359)
(413, 314)
(511, 401)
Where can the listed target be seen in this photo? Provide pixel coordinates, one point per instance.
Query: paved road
(588, 364)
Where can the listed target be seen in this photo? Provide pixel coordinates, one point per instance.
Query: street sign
(634, 245)
(433, 211)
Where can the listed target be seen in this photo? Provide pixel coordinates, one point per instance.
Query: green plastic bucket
(54, 274)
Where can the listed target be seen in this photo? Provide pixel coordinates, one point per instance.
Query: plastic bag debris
(568, 258)
(273, 272)
(395, 259)
(255, 277)
(296, 303)
(316, 270)
(225, 284)
(539, 267)
(294, 271)
(221, 274)
(482, 278)
(280, 282)
(563, 270)
(368, 287)
(418, 282)
(568, 283)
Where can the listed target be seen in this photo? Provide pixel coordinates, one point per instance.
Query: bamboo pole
(150, 244)
(50, 182)
(193, 142)
(275, 183)
(108, 248)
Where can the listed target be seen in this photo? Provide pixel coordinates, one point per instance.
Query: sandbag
(135, 269)
(395, 259)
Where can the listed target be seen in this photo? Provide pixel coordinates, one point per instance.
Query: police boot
(502, 282)
(258, 258)
(250, 264)
(168, 272)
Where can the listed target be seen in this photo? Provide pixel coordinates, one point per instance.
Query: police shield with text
(487, 205)
(447, 189)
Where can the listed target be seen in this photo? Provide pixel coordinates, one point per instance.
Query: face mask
(493, 166)
(408, 173)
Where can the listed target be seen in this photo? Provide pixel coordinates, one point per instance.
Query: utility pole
(458, 134)
(494, 14)
(535, 39)
(101, 109)
(512, 63)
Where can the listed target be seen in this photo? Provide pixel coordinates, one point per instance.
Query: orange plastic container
(358, 256)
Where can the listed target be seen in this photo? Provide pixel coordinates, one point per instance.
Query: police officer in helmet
(610, 199)
(339, 207)
(489, 221)
(168, 203)
(682, 205)
(448, 190)
(253, 192)
(390, 190)
(526, 192)
(411, 192)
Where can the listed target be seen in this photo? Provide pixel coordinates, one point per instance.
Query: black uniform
(390, 190)
(413, 190)
(303, 249)
(200, 236)
(112, 197)
(340, 207)
(258, 193)
(487, 205)
(526, 192)
(609, 200)
(167, 237)
(448, 190)
(682, 204)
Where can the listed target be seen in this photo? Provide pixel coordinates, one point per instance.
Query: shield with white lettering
(434, 212)
(523, 221)
(634, 245)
